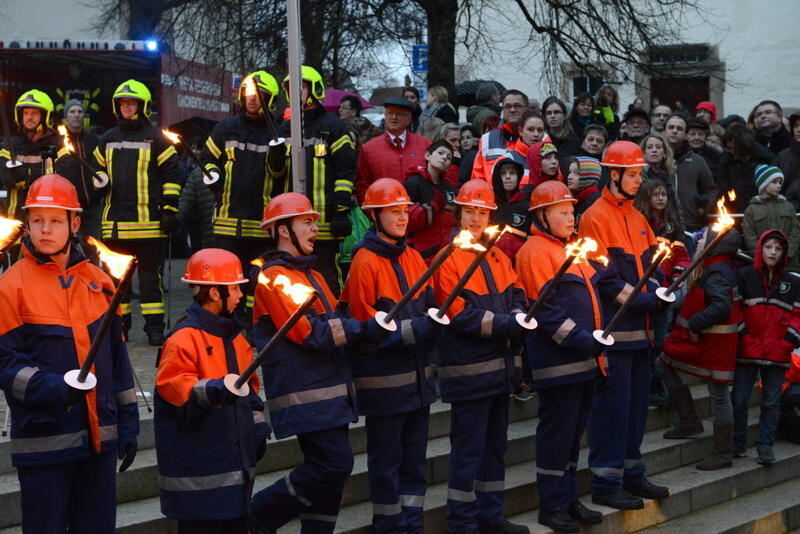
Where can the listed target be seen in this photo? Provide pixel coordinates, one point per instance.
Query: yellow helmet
(38, 100)
(265, 82)
(313, 77)
(135, 90)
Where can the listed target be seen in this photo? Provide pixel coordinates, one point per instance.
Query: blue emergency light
(151, 45)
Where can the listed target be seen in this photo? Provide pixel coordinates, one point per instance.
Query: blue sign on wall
(419, 58)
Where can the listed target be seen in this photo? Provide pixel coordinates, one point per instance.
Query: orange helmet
(214, 267)
(53, 191)
(385, 192)
(623, 154)
(550, 193)
(476, 193)
(286, 206)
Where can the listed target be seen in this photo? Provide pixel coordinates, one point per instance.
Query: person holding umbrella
(64, 441)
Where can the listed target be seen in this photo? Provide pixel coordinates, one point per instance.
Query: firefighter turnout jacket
(37, 159)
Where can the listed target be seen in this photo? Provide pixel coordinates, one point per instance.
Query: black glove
(340, 223)
(276, 157)
(169, 222)
(126, 451)
(218, 394)
(261, 449)
(75, 396)
(12, 176)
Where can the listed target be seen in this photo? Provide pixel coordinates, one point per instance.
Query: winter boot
(722, 455)
(688, 422)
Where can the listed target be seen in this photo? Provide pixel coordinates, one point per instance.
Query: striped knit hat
(765, 174)
(590, 171)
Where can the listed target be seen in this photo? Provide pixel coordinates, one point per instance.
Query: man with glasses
(767, 117)
(392, 154)
(658, 118)
(495, 143)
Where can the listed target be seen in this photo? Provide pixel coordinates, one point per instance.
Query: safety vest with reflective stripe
(561, 349)
(474, 354)
(48, 320)
(17, 180)
(144, 182)
(206, 453)
(620, 229)
(393, 375)
(237, 150)
(307, 375)
(714, 355)
(492, 145)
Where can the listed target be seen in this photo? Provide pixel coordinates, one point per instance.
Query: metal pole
(296, 91)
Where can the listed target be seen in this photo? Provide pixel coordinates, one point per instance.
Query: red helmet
(214, 267)
(53, 191)
(385, 192)
(286, 206)
(476, 193)
(623, 154)
(550, 193)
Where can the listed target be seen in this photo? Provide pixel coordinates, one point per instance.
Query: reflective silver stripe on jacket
(289, 486)
(29, 159)
(306, 397)
(564, 370)
(564, 330)
(622, 296)
(390, 381)
(551, 472)
(209, 482)
(406, 332)
(518, 361)
(471, 369)
(126, 397)
(607, 472)
(337, 331)
(412, 501)
(486, 324)
(128, 144)
(59, 442)
(108, 432)
(20, 383)
(487, 486)
(199, 391)
(775, 302)
(259, 417)
(716, 329)
(723, 376)
(252, 147)
(632, 335)
(386, 509)
(460, 496)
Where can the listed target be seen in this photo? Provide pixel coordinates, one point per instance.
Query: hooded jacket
(512, 207)
(772, 213)
(431, 218)
(535, 176)
(771, 308)
(393, 375)
(711, 312)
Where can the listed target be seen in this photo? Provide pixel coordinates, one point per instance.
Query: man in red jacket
(392, 154)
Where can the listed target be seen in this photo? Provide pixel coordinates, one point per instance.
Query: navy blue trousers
(312, 491)
(563, 414)
(396, 446)
(76, 497)
(478, 443)
(617, 422)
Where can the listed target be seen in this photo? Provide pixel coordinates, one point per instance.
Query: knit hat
(71, 103)
(708, 106)
(765, 174)
(547, 148)
(590, 171)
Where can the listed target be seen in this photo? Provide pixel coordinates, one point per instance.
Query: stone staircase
(746, 498)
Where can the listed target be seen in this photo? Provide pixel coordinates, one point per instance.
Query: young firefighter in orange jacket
(64, 442)
(208, 439)
(394, 378)
(307, 376)
(478, 371)
(562, 353)
(619, 409)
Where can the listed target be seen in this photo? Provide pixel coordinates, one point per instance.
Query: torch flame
(9, 231)
(115, 262)
(258, 262)
(172, 136)
(249, 86)
(62, 131)
(464, 240)
(732, 195)
(581, 248)
(664, 249)
(603, 260)
(724, 220)
(299, 293)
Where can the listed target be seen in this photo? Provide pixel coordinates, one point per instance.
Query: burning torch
(176, 139)
(251, 89)
(577, 251)
(723, 225)
(603, 336)
(121, 267)
(10, 230)
(440, 314)
(386, 320)
(301, 295)
(99, 178)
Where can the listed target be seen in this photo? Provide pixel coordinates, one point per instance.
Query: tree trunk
(442, 16)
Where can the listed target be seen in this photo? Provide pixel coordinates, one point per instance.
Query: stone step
(772, 509)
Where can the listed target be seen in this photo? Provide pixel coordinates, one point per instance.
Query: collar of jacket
(76, 254)
(541, 232)
(372, 242)
(682, 151)
(621, 203)
(311, 115)
(298, 263)
(216, 325)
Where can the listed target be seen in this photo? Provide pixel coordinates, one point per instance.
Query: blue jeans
(743, 381)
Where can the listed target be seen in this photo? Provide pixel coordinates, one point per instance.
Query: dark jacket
(196, 206)
(430, 218)
(739, 176)
(17, 180)
(71, 169)
(711, 154)
(776, 142)
(694, 187)
(567, 146)
(789, 162)
(512, 208)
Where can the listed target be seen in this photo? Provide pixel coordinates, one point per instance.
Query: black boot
(621, 500)
(559, 521)
(584, 515)
(504, 527)
(689, 423)
(155, 339)
(722, 455)
(648, 490)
